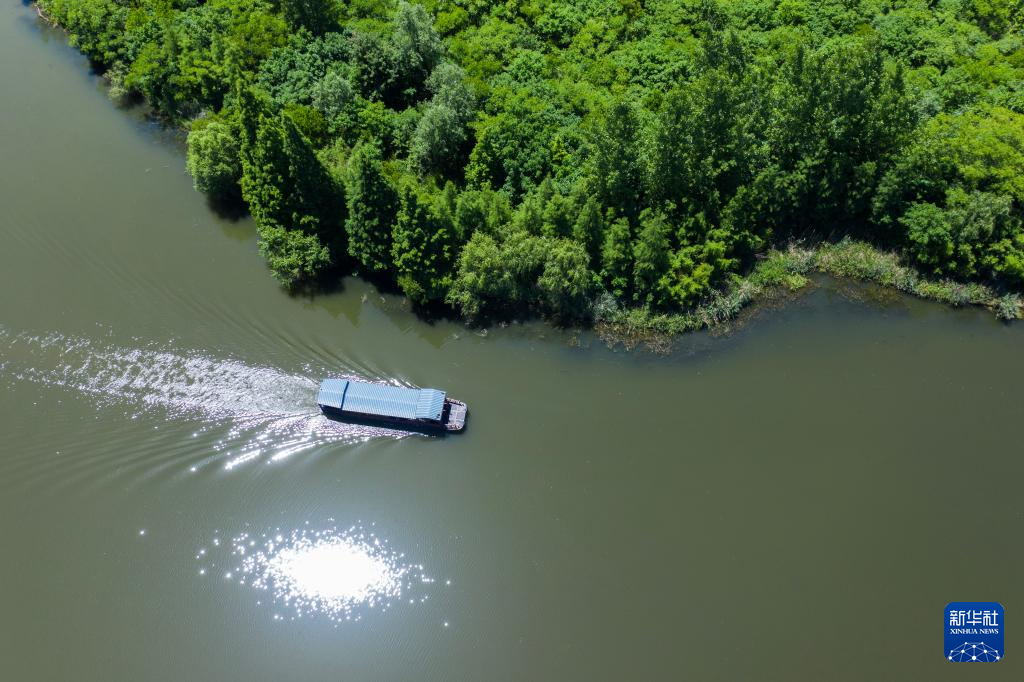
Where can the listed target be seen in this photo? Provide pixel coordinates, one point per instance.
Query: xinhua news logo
(974, 631)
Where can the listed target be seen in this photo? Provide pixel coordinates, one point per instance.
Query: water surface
(797, 500)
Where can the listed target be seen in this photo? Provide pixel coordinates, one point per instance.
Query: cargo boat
(417, 409)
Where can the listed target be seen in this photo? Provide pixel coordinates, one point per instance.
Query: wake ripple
(270, 414)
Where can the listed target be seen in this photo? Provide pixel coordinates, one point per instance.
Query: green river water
(796, 500)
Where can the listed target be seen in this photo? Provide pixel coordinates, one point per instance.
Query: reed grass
(782, 271)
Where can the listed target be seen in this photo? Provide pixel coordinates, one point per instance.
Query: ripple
(260, 413)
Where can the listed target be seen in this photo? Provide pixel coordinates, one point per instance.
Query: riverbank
(382, 139)
(783, 272)
(778, 274)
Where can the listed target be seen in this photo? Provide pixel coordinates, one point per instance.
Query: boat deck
(456, 417)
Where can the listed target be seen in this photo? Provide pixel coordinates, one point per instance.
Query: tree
(415, 48)
(698, 266)
(293, 74)
(617, 258)
(481, 210)
(423, 246)
(318, 16)
(334, 97)
(956, 240)
(954, 198)
(589, 229)
(292, 198)
(310, 122)
(698, 157)
(481, 281)
(500, 159)
(618, 162)
(374, 69)
(295, 258)
(566, 286)
(588, 125)
(836, 119)
(524, 257)
(447, 83)
(283, 181)
(557, 215)
(651, 254)
(440, 137)
(213, 158)
(372, 208)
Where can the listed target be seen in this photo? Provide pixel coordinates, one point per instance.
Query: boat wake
(268, 414)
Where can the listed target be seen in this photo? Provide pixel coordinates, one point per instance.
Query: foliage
(295, 258)
(372, 208)
(423, 244)
(213, 158)
(570, 157)
(317, 16)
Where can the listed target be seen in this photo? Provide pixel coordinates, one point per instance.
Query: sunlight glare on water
(335, 573)
(269, 414)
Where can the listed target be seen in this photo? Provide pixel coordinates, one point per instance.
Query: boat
(416, 409)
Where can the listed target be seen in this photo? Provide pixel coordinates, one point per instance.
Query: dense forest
(506, 158)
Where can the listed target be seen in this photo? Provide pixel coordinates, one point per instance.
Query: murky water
(795, 501)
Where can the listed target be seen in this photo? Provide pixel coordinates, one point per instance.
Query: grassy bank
(782, 272)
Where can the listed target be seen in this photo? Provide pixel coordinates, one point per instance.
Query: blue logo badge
(974, 631)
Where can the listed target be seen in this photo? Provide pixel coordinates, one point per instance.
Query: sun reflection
(262, 413)
(335, 573)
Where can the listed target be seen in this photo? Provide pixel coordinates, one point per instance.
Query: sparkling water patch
(335, 573)
(264, 414)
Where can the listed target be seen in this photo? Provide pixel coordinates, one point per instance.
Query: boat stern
(457, 413)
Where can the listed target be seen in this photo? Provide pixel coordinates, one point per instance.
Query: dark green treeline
(513, 157)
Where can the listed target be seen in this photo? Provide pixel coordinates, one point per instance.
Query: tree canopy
(532, 156)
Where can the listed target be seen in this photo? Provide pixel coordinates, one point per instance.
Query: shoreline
(783, 272)
(779, 273)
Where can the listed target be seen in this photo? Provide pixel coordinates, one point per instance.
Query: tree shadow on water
(231, 208)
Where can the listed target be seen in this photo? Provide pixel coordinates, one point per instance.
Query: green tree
(334, 97)
(617, 258)
(288, 191)
(566, 286)
(440, 137)
(557, 215)
(295, 258)
(423, 246)
(954, 198)
(589, 229)
(956, 240)
(651, 255)
(372, 209)
(318, 16)
(447, 83)
(696, 268)
(283, 181)
(587, 125)
(213, 158)
(293, 74)
(618, 160)
(481, 210)
(698, 156)
(415, 48)
(482, 282)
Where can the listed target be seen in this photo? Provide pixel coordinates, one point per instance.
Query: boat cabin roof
(382, 400)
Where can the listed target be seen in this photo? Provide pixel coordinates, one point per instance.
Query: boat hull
(386, 422)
